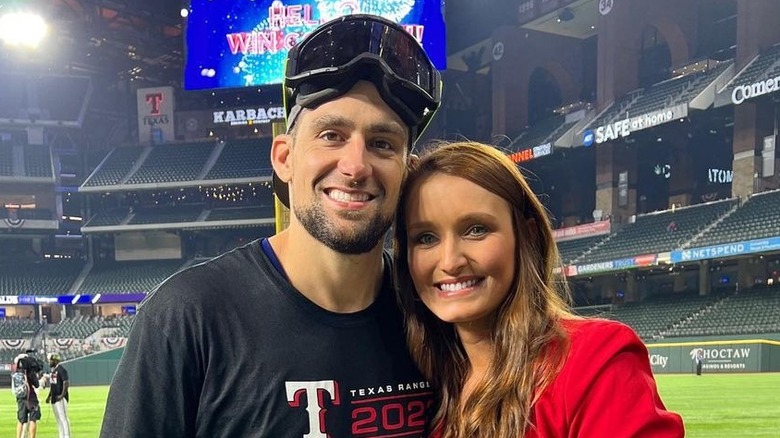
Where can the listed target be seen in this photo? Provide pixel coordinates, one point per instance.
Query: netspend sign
(624, 128)
(725, 250)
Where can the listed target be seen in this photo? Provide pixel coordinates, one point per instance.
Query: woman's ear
(412, 162)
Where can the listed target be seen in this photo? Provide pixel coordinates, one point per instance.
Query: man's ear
(281, 156)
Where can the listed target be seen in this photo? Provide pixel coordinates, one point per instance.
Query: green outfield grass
(724, 405)
(713, 405)
(87, 404)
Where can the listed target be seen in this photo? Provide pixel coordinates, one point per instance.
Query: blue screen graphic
(244, 43)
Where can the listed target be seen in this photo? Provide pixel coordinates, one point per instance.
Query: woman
(486, 318)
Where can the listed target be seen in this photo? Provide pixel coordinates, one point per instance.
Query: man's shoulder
(215, 277)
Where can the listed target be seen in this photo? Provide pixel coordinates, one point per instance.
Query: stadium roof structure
(115, 39)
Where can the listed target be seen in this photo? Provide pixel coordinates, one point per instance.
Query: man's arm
(65, 383)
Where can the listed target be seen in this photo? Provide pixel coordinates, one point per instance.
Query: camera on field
(30, 363)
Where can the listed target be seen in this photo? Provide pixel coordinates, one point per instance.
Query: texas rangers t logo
(295, 390)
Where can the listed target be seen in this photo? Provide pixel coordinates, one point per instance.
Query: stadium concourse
(647, 128)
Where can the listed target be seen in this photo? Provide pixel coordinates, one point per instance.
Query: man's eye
(331, 136)
(384, 145)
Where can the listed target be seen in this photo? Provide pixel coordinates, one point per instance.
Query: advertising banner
(244, 43)
(617, 265)
(532, 153)
(748, 356)
(584, 230)
(725, 250)
(625, 127)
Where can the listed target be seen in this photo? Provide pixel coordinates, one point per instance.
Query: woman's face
(461, 248)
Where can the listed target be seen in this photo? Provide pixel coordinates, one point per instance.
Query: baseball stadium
(135, 142)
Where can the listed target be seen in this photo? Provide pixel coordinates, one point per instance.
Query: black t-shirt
(59, 375)
(230, 348)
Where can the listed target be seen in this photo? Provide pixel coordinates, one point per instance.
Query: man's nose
(354, 163)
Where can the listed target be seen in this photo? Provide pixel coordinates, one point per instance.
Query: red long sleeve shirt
(605, 389)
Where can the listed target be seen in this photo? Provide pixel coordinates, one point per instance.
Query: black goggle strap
(313, 99)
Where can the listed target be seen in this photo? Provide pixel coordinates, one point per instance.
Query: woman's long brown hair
(529, 341)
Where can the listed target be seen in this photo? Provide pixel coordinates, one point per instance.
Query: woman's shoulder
(577, 328)
(593, 339)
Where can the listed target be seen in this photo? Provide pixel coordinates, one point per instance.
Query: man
(699, 358)
(58, 395)
(23, 384)
(299, 335)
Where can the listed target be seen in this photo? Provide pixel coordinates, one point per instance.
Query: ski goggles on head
(328, 62)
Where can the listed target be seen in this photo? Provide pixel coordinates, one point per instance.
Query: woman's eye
(426, 239)
(477, 230)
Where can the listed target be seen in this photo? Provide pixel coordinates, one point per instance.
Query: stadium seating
(757, 218)
(119, 162)
(78, 327)
(26, 213)
(617, 108)
(113, 216)
(18, 328)
(250, 158)
(167, 214)
(37, 161)
(6, 160)
(7, 356)
(128, 277)
(763, 66)
(227, 214)
(662, 95)
(659, 232)
(571, 250)
(35, 214)
(649, 318)
(40, 278)
(747, 312)
(169, 163)
(674, 91)
(119, 325)
(540, 133)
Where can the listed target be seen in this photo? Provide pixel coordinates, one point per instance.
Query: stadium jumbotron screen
(244, 43)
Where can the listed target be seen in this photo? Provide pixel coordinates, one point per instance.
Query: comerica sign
(744, 92)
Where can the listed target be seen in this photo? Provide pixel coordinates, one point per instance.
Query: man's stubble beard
(362, 238)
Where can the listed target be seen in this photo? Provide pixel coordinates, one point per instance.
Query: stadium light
(23, 29)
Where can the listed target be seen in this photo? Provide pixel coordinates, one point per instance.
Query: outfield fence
(732, 356)
(720, 356)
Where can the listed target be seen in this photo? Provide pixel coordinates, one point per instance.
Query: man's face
(345, 168)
